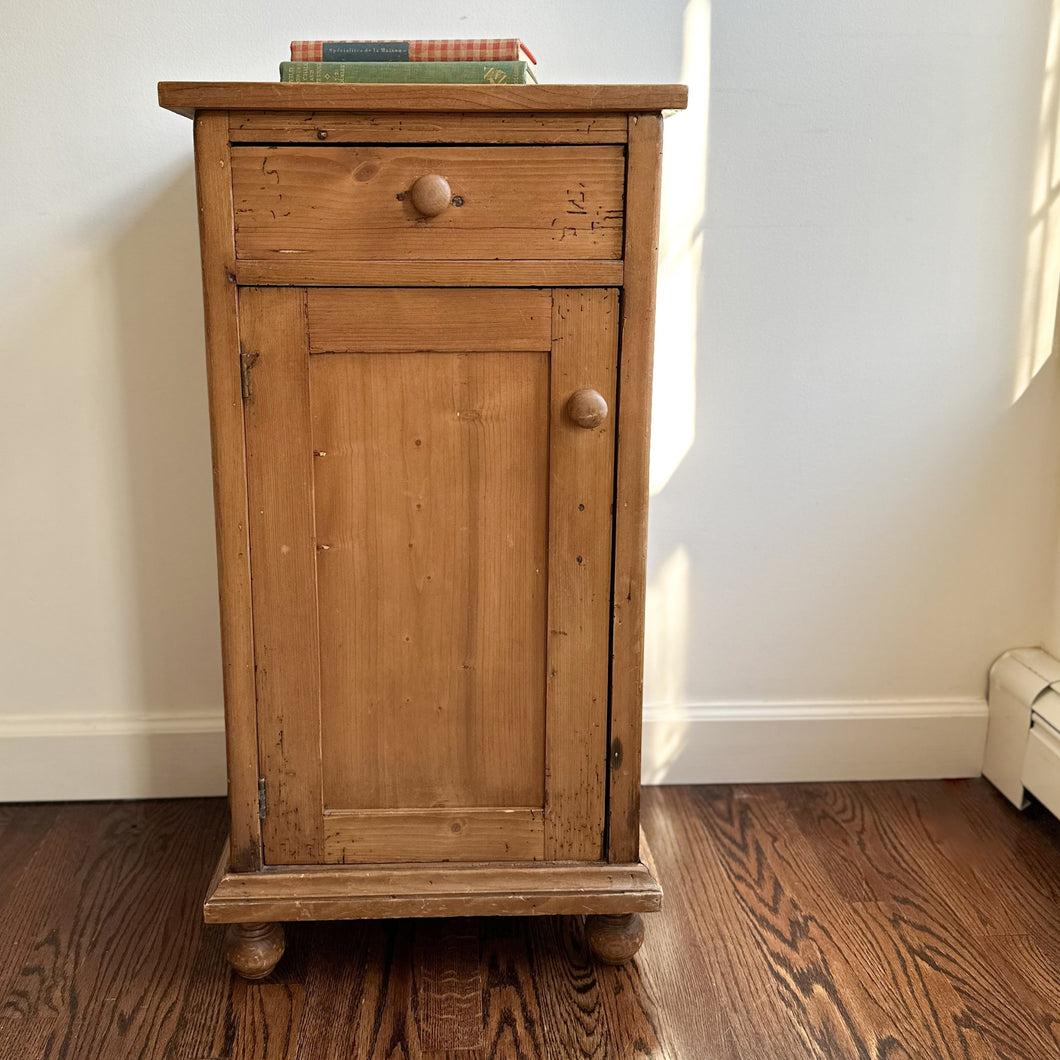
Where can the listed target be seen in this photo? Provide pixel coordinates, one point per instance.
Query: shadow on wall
(155, 277)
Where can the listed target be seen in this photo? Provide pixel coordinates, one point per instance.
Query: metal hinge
(263, 801)
(246, 362)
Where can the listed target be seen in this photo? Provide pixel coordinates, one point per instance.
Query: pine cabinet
(429, 316)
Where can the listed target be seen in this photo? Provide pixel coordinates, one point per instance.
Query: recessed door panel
(431, 495)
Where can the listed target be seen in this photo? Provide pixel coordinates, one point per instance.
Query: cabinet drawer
(334, 204)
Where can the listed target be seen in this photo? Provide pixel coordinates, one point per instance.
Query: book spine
(411, 51)
(440, 73)
(337, 51)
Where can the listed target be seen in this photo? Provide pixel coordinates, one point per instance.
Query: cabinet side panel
(214, 183)
(275, 348)
(631, 483)
(584, 348)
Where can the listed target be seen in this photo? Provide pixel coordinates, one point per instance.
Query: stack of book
(433, 62)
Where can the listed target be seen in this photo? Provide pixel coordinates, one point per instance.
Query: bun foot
(254, 949)
(614, 938)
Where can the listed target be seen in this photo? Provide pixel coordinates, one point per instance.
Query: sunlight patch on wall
(1042, 274)
(684, 199)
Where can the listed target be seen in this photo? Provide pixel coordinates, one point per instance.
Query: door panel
(432, 536)
(430, 554)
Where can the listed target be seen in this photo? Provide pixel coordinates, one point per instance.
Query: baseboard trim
(707, 743)
(53, 759)
(50, 759)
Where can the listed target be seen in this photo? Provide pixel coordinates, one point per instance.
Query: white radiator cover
(1023, 738)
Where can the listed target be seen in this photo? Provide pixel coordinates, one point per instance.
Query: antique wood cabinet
(429, 316)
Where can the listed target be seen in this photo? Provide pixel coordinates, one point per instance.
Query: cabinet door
(430, 540)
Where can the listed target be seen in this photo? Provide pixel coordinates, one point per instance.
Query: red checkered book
(409, 51)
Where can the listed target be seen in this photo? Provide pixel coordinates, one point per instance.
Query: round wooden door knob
(431, 195)
(587, 408)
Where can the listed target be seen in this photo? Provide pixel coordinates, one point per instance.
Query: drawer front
(321, 204)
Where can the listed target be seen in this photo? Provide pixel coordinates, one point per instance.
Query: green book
(498, 73)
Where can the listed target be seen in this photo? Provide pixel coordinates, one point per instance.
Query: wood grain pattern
(510, 999)
(584, 354)
(213, 183)
(432, 493)
(631, 483)
(448, 984)
(100, 933)
(275, 347)
(186, 97)
(351, 203)
(270, 1016)
(757, 955)
(431, 273)
(403, 321)
(248, 126)
(360, 837)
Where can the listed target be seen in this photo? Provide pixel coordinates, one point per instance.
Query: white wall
(851, 512)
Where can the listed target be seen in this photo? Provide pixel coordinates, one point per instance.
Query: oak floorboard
(387, 1028)
(759, 1019)
(206, 1026)
(905, 921)
(1029, 973)
(339, 958)
(1017, 858)
(270, 1015)
(511, 1005)
(132, 989)
(680, 958)
(448, 981)
(817, 975)
(897, 854)
(38, 912)
(33, 1038)
(573, 1017)
(22, 826)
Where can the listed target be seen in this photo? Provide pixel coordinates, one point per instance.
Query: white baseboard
(50, 759)
(47, 759)
(723, 743)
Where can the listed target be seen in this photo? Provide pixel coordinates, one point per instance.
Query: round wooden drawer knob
(587, 408)
(431, 195)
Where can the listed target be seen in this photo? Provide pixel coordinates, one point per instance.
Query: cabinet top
(186, 97)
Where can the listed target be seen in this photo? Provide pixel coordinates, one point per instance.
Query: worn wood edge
(454, 128)
(431, 890)
(216, 229)
(633, 417)
(186, 97)
(305, 272)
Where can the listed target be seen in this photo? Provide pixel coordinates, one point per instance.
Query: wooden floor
(868, 921)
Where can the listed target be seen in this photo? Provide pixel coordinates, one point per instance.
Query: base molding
(352, 892)
(720, 743)
(120, 756)
(45, 759)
